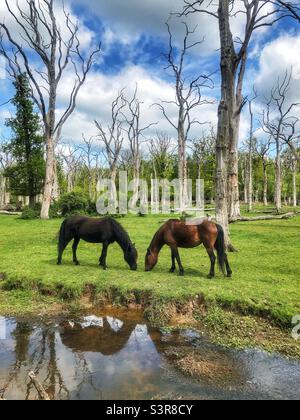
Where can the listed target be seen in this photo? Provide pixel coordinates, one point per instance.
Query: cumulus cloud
(95, 98)
(277, 57)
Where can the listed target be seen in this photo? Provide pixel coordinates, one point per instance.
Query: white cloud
(95, 98)
(276, 58)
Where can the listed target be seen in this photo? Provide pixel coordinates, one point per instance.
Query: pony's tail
(220, 247)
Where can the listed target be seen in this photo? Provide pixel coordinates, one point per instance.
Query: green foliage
(73, 203)
(26, 175)
(30, 213)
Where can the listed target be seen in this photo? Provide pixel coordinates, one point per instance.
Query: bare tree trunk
(245, 176)
(225, 109)
(278, 178)
(136, 176)
(182, 164)
(295, 183)
(233, 171)
(265, 174)
(49, 179)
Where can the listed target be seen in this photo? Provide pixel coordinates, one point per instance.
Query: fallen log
(39, 387)
(258, 218)
(10, 213)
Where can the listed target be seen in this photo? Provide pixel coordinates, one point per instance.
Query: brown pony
(177, 234)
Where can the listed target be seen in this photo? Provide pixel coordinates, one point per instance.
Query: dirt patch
(205, 366)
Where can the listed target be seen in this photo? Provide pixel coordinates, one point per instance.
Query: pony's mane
(157, 236)
(120, 232)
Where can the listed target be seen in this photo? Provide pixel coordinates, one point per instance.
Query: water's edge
(116, 355)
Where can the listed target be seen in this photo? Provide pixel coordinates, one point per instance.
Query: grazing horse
(177, 234)
(96, 231)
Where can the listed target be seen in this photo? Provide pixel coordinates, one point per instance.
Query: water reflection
(112, 357)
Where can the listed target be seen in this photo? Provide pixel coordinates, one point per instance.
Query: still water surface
(116, 355)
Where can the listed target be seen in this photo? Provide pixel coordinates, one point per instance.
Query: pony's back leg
(102, 260)
(210, 251)
(74, 248)
(61, 247)
(228, 269)
(173, 268)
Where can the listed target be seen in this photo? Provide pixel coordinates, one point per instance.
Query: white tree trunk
(295, 183)
(265, 174)
(49, 179)
(278, 179)
(233, 171)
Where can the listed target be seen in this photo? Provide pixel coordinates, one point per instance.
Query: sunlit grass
(266, 269)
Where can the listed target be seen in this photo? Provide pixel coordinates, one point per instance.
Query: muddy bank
(228, 327)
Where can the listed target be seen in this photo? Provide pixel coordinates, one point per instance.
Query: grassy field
(265, 280)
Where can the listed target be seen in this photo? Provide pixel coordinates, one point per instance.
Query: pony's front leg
(102, 261)
(177, 257)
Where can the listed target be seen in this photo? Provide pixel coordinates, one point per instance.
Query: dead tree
(249, 176)
(112, 137)
(233, 63)
(89, 158)
(135, 135)
(71, 158)
(280, 123)
(5, 162)
(262, 150)
(43, 40)
(188, 97)
(161, 149)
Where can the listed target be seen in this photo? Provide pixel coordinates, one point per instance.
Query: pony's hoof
(58, 262)
(210, 277)
(181, 273)
(229, 275)
(77, 263)
(172, 270)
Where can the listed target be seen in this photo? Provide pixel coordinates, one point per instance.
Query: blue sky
(134, 36)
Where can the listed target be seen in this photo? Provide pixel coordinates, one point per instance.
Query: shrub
(91, 208)
(55, 211)
(30, 213)
(72, 204)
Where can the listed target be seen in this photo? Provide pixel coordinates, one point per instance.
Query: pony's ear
(133, 245)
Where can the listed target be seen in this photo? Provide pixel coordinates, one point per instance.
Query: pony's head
(150, 260)
(131, 256)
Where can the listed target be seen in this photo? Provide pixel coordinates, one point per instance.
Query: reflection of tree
(39, 350)
(22, 335)
(54, 377)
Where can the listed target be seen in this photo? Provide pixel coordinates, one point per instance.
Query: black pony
(105, 231)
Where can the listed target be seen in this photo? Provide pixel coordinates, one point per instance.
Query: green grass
(265, 280)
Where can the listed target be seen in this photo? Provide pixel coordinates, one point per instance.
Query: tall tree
(262, 150)
(161, 150)
(45, 58)
(26, 176)
(6, 160)
(282, 125)
(188, 97)
(111, 138)
(233, 64)
(135, 134)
